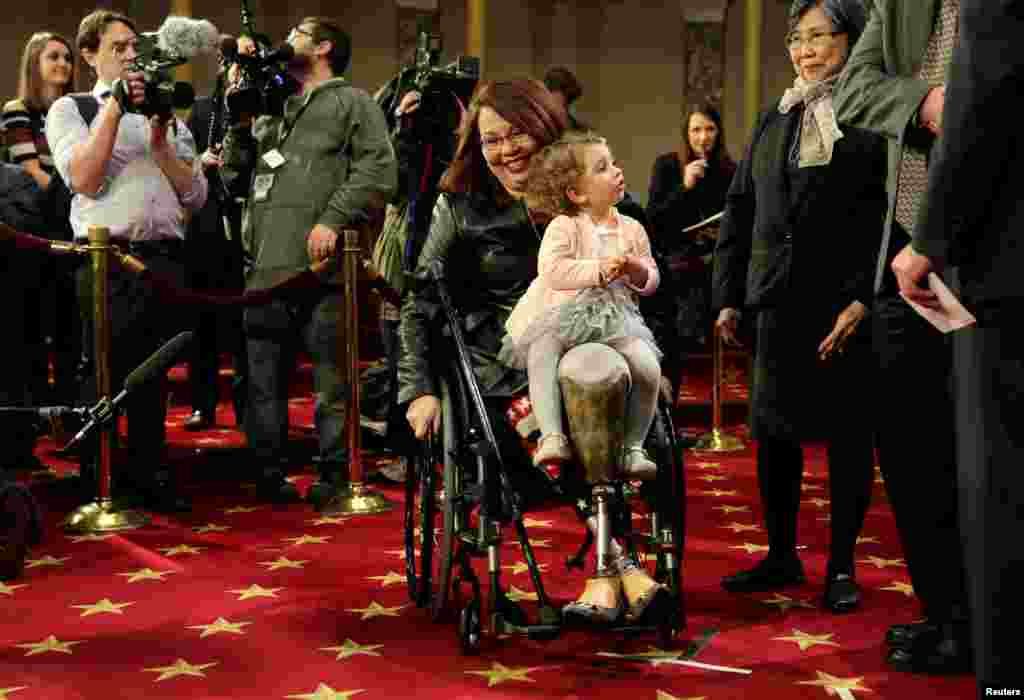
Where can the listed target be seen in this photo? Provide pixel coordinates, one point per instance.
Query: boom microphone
(185, 38)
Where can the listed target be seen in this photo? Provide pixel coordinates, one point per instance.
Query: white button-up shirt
(137, 200)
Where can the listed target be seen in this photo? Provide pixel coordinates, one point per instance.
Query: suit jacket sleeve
(870, 93)
(974, 154)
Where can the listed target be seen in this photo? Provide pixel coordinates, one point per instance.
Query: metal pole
(717, 440)
(102, 514)
(356, 498)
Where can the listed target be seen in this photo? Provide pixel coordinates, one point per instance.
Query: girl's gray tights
(546, 395)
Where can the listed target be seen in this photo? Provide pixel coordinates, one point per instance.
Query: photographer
(135, 176)
(324, 166)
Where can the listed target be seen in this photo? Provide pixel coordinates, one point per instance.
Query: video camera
(177, 41)
(265, 84)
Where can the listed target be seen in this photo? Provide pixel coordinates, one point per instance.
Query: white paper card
(951, 315)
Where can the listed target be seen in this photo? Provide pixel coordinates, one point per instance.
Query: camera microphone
(185, 38)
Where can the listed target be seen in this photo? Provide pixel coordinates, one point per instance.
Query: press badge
(261, 186)
(273, 158)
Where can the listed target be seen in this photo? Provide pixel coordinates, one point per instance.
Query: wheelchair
(459, 497)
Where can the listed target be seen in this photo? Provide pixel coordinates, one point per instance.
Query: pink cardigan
(567, 265)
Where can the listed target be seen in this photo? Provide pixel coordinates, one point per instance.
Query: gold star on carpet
(740, 527)
(283, 563)
(181, 549)
(540, 543)
(51, 643)
(256, 591)
(180, 668)
(786, 603)
(326, 692)
(375, 609)
(843, 687)
(881, 563)
(388, 578)
(810, 487)
(9, 590)
(45, 561)
(307, 539)
(662, 695)
(329, 520)
(4, 691)
(241, 509)
(210, 527)
(350, 648)
(713, 477)
(806, 641)
(522, 567)
(500, 673)
(91, 537)
(146, 574)
(102, 606)
(530, 522)
(732, 509)
(819, 502)
(718, 493)
(900, 587)
(220, 625)
(515, 595)
(751, 548)
(400, 553)
(708, 465)
(866, 540)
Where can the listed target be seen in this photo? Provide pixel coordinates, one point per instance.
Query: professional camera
(265, 83)
(178, 40)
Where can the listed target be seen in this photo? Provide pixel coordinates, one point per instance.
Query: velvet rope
(293, 286)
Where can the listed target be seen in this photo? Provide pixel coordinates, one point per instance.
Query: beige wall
(627, 53)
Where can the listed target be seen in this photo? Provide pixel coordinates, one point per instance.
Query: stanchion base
(717, 441)
(357, 499)
(103, 516)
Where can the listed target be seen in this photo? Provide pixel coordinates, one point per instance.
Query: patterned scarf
(819, 130)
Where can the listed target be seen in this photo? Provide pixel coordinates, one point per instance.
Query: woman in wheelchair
(486, 241)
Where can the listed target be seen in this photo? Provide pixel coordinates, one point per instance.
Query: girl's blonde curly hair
(554, 170)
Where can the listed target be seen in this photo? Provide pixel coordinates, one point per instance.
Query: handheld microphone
(155, 366)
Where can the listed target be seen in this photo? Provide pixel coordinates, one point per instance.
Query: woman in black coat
(802, 226)
(687, 186)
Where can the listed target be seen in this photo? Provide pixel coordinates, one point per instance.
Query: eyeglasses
(816, 40)
(296, 31)
(516, 139)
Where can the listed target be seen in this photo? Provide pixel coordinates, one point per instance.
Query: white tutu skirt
(596, 315)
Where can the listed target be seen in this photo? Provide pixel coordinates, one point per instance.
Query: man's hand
(846, 323)
(321, 242)
(912, 270)
(930, 113)
(212, 158)
(158, 127)
(728, 324)
(410, 103)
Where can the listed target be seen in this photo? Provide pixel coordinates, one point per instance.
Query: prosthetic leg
(595, 382)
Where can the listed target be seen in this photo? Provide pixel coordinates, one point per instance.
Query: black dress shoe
(905, 635)
(768, 575)
(842, 594)
(945, 650)
(199, 420)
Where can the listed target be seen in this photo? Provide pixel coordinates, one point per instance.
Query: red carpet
(245, 600)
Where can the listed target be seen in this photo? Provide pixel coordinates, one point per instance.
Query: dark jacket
(801, 236)
(338, 169)
(670, 208)
(490, 255)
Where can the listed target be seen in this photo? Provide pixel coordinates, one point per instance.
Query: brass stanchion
(356, 498)
(103, 515)
(717, 440)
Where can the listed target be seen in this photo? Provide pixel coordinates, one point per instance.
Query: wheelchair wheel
(452, 411)
(421, 522)
(669, 498)
(470, 628)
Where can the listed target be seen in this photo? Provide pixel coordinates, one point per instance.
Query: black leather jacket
(490, 255)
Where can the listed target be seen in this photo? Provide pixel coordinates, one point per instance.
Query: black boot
(770, 574)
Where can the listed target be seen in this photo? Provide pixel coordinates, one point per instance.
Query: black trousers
(989, 363)
(17, 432)
(141, 321)
(916, 449)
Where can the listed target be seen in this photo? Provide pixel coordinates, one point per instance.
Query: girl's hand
(635, 270)
(612, 268)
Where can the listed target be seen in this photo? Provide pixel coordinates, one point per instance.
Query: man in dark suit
(893, 85)
(975, 220)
